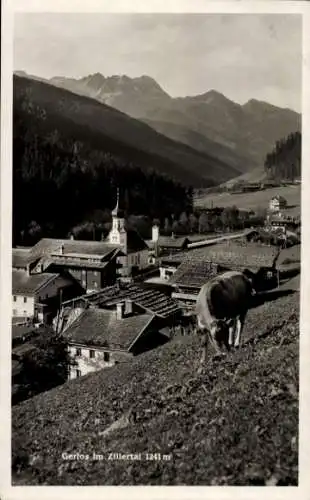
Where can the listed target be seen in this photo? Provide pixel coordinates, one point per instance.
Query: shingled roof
(135, 242)
(22, 257)
(233, 255)
(49, 246)
(71, 262)
(149, 299)
(170, 242)
(24, 284)
(195, 274)
(98, 327)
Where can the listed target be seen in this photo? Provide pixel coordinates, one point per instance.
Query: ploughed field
(234, 424)
(253, 200)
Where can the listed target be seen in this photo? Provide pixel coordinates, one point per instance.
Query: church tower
(118, 235)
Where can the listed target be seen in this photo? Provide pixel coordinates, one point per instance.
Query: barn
(195, 267)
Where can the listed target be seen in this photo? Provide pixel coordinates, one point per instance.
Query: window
(14, 298)
(95, 284)
(25, 300)
(78, 351)
(106, 357)
(78, 373)
(84, 283)
(91, 353)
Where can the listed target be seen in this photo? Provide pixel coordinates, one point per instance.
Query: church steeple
(118, 232)
(115, 211)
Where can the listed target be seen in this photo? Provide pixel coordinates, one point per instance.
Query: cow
(221, 309)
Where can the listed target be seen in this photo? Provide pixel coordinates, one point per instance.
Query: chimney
(61, 250)
(120, 310)
(71, 236)
(128, 307)
(155, 233)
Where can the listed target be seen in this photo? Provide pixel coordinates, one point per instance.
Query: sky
(243, 56)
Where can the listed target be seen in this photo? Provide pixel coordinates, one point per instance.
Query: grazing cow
(221, 308)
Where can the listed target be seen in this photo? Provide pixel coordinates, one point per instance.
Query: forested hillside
(284, 161)
(64, 168)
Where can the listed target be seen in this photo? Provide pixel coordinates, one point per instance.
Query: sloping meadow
(234, 424)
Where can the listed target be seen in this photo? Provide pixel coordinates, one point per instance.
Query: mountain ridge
(239, 134)
(248, 130)
(177, 159)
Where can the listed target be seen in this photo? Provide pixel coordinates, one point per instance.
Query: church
(134, 250)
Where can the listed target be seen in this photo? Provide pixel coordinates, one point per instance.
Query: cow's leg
(213, 339)
(204, 339)
(239, 327)
(232, 330)
(204, 345)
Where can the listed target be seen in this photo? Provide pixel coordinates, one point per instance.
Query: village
(152, 204)
(114, 299)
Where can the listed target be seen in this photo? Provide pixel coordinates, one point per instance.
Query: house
(34, 294)
(160, 245)
(100, 338)
(93, 264)
(169, 265)
(277, 203)
(228, 255)
(143, 299)
(116, 323)
(190, 277)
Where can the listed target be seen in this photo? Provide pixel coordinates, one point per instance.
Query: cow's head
(217, 332)
(220, 331)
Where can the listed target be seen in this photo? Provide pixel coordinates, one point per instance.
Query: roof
(48, 246)
(19, 331)
(169, 242)
(232, 254)
(149, 299)
(135, 242)
(65, 261)
(195, 274)
(23, 350)
(116, 212)
(21, 257)
(24, 284)
(102, 328)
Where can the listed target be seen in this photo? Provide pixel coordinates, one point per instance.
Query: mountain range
(109, 131)
(239, 135)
